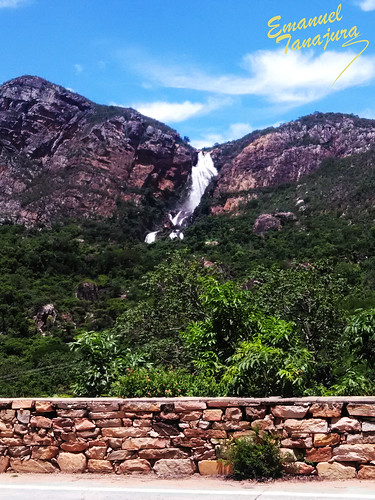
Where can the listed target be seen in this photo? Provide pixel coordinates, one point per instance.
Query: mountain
(289, 153)
(62, 155)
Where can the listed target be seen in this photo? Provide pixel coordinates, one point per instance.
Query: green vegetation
(291, 313)
(254, 457)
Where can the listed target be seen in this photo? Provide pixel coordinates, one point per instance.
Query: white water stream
(201, 175)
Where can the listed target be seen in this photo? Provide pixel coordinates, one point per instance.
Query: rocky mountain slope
(286, 154)
(61, 155)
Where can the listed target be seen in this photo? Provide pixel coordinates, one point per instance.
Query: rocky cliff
(61, 155)
(285, 154)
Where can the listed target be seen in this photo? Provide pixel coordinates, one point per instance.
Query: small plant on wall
(253, 457)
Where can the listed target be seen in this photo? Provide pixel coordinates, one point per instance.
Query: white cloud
(294, 78)
(78, 68)
(235, 131)
(367, 5)
(172, 112)
(11, 3)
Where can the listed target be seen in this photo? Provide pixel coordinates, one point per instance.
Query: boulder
(31, 465)
(71, 462)
(137, 466)
(336, 471)
(174, 467)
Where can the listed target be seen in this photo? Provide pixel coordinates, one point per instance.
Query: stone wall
(333, 438)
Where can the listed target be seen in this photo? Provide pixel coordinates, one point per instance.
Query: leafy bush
(164, 382)
(254, 457)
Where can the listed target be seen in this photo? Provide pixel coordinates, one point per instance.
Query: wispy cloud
(173, 112)
(78, 68)
(367, 5)
(11, 3)
(235, 131)
(294, 78)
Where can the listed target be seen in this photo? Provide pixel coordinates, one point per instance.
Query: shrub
(254, 457)
(164, 382)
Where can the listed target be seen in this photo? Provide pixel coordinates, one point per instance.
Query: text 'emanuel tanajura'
(285, 33)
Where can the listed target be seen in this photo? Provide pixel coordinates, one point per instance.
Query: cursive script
(347, 37)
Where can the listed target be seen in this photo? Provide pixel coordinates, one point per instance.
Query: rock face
(286, 154)
(61, 155)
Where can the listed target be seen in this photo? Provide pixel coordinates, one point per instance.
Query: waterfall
(201, 175)
(151, 237)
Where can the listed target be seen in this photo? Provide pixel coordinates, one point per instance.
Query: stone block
(327, 410)
(124, 432)
(233, 414)
(34, 439)
(298, 442)
(84, 424)
(44, 406)
(368, 426)
(74, 447)
(19, 451)
(188, 443)
(214, 468)
(326, 439)
(71, 413)
(7, 415)
(140, 406)
(213, 415)
(99, 466)
(31, 465)
(166, 453)
(41, 422)
(360, 439)
(345, 424)
(309, 426)
(120, 455)
(322, 454)
(293, 411)
(140, 422)
(299, 469)
(44, 452)
(169, 416)
(233, 425)
(180, 406)
(256, 412)
(110, 422)
(361, 410)
(192, 415)
(96, 406)
(96, 452)
(354, 453)
(71, 463)
(173, 467)
(366, 472)
(102, 415)
(144, 443)
(265, 424)
(62, 423)
(137, 466)
(23, 416)
(4, 464)
(22, 404)
(336, 471)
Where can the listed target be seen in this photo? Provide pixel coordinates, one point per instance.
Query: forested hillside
(271, 291)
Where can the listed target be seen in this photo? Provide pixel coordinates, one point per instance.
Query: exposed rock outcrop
(61, 155)
(286, 154)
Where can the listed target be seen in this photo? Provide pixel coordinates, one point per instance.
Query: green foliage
(254, 457)
(164, 382)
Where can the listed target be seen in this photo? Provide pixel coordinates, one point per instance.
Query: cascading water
(151, 237)
(201, 175)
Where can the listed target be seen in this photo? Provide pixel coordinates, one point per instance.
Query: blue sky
(207, 68)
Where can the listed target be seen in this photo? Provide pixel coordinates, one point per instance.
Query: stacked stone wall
(331, 438)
